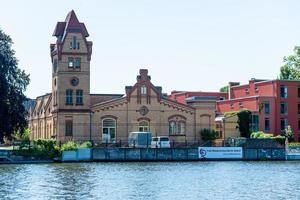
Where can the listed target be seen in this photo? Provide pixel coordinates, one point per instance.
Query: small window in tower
(74, 42)
(77, 62)
(70, 62)
(78, 45)
(143, 89)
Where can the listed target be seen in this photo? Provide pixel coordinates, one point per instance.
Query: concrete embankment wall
(144, 154)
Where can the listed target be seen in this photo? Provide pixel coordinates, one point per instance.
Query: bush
(69, 146)
(87, 144)
(261, 134)
(294, 144)
(280, 139)
(41, 149)
(208, 134)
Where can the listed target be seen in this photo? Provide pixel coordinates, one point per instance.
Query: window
(267, 108)
(70, 62)
(74, 44)
(176, 128)
(298, 108)
(254, 123)
(144, 126)
(267, 124)
(283, 91)
(143, 89)
(79, 97)
(77, 62)
(69, 97)
(283, 124)
(69, 128)
(299, 92)
(298, 125)
(283, 108)
(108, 130)
(55, 65)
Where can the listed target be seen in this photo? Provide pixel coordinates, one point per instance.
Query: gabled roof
(71, 24)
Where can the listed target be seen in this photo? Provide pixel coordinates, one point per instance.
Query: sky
(192, 45)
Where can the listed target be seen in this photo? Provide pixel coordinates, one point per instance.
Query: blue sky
(186, 45)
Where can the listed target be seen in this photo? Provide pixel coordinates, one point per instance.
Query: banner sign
(221, 152)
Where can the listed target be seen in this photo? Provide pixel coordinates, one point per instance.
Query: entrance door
(109, 130)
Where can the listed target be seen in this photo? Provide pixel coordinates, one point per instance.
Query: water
(158, 180)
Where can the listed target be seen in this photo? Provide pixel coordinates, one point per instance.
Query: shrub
(261, 134)
(280, 139)
(288, 133)
(294, 144)
(87, 144)
(69, 146)
(208, 134)
(244, 123)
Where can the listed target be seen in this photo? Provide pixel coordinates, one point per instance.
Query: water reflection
(186, 180)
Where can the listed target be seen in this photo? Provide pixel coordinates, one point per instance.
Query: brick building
(71, 112)
(275, 104)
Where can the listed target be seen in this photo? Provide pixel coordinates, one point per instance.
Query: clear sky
(186, 45)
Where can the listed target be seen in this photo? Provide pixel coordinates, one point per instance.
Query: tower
(70, 57)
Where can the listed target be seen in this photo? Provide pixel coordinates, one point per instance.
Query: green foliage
(23, 138)
(288, 133)
(230, 114)
(208, 134)
(291, 67)
(261, 134)
(244, 123)
(87, 144)
(41, 149)
(280, 139)
(224, 89)
(69, 146)
(13, 83)
(294, 144)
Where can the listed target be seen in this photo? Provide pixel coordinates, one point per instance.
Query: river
(152, 180)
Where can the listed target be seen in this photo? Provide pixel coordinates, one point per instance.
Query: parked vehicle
(139, 139)
(160, 142)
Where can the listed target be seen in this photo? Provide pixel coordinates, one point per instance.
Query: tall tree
(291, 67)
(13, 83)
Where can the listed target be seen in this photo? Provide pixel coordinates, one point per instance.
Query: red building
(275, 104)
(182, 96)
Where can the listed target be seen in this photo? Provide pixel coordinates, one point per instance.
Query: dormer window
(144, 90)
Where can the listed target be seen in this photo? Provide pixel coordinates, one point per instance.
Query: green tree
(13, 83)
(291, 67)
(288, 133)
(224, 89)
(244, 123)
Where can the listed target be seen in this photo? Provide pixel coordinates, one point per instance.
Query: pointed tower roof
(71, 24)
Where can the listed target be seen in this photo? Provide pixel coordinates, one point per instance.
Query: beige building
(71, 112)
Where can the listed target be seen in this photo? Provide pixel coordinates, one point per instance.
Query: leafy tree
(224, 89)
(291, 68)
(288, 133)
(244, 123)
(13, 83)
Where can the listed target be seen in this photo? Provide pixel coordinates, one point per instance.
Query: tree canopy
(291, 67)
(13, 83)
(224, 89)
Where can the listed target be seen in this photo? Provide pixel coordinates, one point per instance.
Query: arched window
(176, 127)
(108, 130)
(144, 126)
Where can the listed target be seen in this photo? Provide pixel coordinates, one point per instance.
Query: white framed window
(109, 130)
(144, 90)
(176, 127)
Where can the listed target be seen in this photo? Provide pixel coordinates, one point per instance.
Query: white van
(139, 139)
(160, 142)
